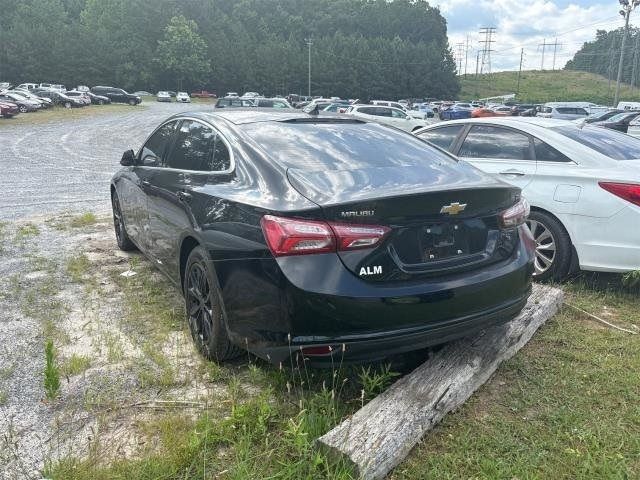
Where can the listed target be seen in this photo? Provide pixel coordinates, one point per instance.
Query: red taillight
(627, 191)
(353, 236)
(515, 215)
(294, 236)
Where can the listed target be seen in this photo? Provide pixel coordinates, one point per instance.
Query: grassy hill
(538, 86)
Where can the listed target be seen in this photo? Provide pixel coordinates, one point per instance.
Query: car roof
(240, 116)
(512, 121)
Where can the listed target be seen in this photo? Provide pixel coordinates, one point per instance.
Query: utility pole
(466, 56)
(309, 43)
(477, 62)
(544, 46)
(555, 48)
(460, 47)
(612, 48)
(627, 8)
(520, 71)
(635, 62)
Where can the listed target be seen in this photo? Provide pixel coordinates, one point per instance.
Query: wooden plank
(382, 433)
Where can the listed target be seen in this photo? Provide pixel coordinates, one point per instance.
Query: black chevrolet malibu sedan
(328, 237)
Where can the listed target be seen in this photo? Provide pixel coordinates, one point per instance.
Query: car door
(136, 189)
(401, 120)
(504, 152)
(199, 156)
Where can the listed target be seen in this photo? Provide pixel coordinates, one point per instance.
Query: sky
(527, 25)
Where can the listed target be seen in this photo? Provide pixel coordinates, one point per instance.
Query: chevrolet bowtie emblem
(453, 208)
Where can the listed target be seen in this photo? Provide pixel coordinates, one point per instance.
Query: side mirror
(128, 159)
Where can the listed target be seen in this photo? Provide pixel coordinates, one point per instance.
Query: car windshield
(622, 116)
(342, 146)
(611, 143)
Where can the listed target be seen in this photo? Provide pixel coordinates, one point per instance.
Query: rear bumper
(277, 307)
(373, 347)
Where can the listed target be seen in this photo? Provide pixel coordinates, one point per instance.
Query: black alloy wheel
(124, 242)
(204, 310)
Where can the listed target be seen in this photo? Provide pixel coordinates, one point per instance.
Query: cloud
(527, 25)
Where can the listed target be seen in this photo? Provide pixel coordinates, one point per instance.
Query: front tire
(132, 103)
(67, 104)
(124, 242)
(553, 247)
(22, 109)
(203, 305)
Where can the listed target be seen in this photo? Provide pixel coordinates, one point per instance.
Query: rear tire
(553, 247)
(203, 306)
(22, 109)
(132, 103)
(124, 242)
(100, 102)
(67, 104)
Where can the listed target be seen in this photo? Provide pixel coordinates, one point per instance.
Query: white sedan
(183, 97)
(583, 184)
(388, 116)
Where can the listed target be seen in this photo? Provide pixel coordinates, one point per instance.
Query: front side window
(443, 137)
(383, 112)
(153, 152)
(486, 141)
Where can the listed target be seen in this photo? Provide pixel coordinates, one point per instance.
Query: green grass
(78, 267)
(538, 86)
(75, 365)
(51, 371)
(83, 220)
(566, 407)
(25, 231)
(57, 114)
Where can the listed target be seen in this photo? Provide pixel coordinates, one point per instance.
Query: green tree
(183, 53)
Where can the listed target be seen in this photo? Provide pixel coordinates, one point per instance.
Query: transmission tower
(486, 39)
(460, 55)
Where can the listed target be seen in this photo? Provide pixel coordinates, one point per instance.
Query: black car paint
(275, 306)
(116, 95)
(621, 125)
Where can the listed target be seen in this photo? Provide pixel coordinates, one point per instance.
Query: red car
(203, 94)
(8, 109)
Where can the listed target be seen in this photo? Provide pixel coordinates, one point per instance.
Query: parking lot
(66, 165)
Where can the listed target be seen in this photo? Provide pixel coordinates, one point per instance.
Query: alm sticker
(377, 270)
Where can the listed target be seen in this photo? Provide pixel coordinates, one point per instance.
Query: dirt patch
(124, 354)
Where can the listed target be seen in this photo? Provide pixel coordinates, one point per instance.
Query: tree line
(602, 55)
(360, 48)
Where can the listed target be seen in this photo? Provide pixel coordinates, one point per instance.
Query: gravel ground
(49, 169)
(67, 165)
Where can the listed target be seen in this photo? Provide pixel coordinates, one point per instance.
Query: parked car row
(165, 96)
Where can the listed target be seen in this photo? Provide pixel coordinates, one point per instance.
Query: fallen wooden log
(382, 433)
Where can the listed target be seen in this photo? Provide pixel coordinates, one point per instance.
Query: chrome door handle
(517, 173)
(146, 183)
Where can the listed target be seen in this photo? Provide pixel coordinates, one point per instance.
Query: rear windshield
(608, 142)
(341, 146)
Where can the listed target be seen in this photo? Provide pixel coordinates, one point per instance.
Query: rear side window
(367, 110)
(443, 137)
(193, 147)
(342, 146)
(486, 141)
(611, 143)
(546, 153)
(152, 154)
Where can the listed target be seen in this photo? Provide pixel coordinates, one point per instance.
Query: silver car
(563, 113)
